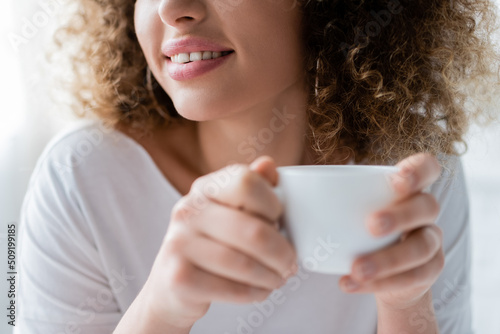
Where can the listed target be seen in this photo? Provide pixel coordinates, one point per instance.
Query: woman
(121, 233)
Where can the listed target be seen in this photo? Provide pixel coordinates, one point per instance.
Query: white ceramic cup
(326, 209)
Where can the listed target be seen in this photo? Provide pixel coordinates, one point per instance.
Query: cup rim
(300, 169)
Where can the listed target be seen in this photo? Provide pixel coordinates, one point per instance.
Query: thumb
(266, 167)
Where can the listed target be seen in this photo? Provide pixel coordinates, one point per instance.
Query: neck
(276, 128)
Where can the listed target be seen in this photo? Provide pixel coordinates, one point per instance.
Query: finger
(241, 231)
(423, 276)
(266, 167)
(221, 260)
(239, 187)
(416, 173)
(416, 211)
(198, 286)
(419, 247)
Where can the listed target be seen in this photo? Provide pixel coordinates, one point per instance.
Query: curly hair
(387, 78)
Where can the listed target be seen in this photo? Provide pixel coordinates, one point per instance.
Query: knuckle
(415, 276)
(223, 255)
(438, 232)
(428, 247)
(257, 233)
(246, 181)
(175, 240)
(243, 264)
(407, 215)
(391, 260)
(423, 249)
(201, 188)
(415, 252)
(181, 274)
(198, 183)
(181, 209)
(236, 168)
(174, 245)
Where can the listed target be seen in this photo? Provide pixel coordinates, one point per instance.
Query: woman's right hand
(222, 244)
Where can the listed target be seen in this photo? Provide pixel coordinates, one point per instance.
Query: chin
(200, 114)
(199, 110)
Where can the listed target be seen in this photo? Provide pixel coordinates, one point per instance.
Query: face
(264, 35)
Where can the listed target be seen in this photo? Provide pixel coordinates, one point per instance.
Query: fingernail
(366, 269)
(350, 285)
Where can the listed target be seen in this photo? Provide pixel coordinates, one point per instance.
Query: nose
(181, 13)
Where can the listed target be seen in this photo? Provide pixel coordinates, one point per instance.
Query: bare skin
(401, 284)
(228, 248)
(175, 153)
(178, 155)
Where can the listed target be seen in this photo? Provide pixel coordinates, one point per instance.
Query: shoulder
(84, 144)
(81, 151)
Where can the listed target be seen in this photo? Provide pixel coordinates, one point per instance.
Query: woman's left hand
(401, 274)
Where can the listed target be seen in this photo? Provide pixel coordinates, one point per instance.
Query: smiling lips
(182, 71)
(191, 57)
(183, 58)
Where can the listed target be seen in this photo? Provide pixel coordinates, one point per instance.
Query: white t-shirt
(93, 220)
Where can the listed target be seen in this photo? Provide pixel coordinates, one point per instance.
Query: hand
(401, 274)
(222, 244)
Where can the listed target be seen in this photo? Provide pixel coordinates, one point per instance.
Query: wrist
(417, 316)
(143, 317)
(138, 319)
(421, 301)
(159, 317)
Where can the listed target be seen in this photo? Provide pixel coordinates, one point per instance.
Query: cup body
(326, 209)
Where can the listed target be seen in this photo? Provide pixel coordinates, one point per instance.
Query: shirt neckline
(150, 161)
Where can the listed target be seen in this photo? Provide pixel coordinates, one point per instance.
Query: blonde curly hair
(387, 78)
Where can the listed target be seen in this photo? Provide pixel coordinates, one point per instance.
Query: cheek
(269, 57)
(273, 44)
(149, 31)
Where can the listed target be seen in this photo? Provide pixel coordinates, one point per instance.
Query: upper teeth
(182, 58)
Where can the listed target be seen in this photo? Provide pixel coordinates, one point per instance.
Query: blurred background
(28, 119)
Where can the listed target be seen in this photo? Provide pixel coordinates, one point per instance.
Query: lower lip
(187, 71)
